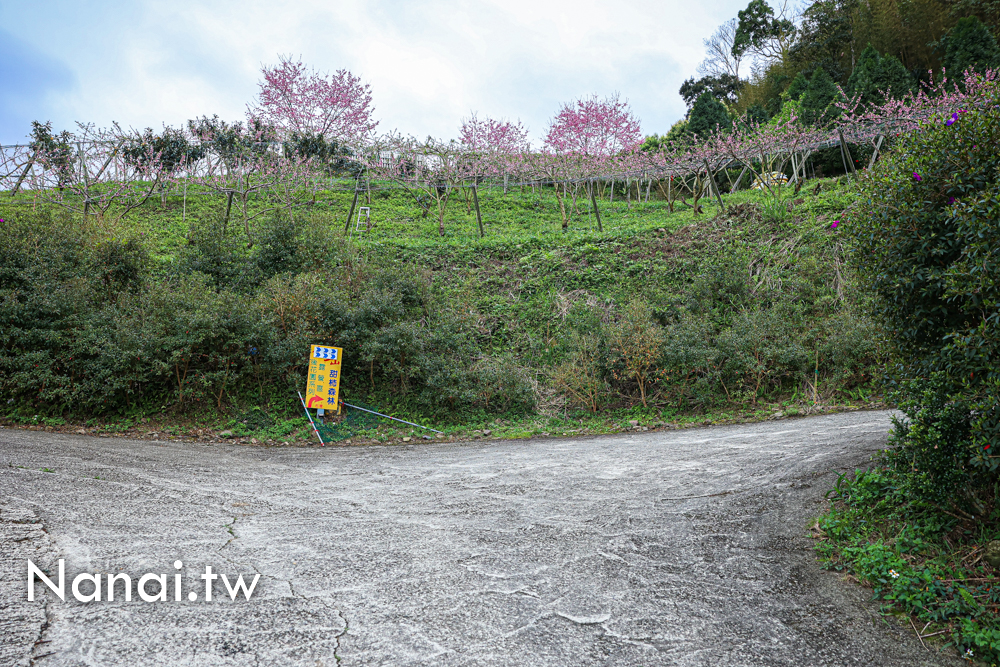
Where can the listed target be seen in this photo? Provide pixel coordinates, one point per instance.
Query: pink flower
(916, 177)
(835, 223)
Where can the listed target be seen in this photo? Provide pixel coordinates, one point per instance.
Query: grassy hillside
(662, 317)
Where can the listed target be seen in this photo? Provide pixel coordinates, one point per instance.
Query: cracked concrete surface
(665, 548)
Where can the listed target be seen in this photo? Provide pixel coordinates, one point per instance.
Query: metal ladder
(368, 218)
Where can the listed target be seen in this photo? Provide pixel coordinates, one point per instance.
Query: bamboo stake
(351, 213)
(738, 180)
(597, 213)
(311, 422)
(712, 184)
(875, 154)
(847, 153)
(479, 217)
(24, 174)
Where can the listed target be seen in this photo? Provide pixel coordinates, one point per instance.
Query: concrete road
(670, 548)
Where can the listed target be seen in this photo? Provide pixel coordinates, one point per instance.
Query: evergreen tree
(875, 75)
(860, 81)
(755, 114)
(969, 45)
(817, 100)
(708, 116)
(892, 78)
(798, 86)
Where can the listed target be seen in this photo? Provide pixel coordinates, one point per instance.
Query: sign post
(323, 383)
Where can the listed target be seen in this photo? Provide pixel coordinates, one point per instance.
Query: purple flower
(951, 200)
(916, 177)
(953, 118)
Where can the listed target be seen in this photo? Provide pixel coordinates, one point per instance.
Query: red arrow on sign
(314, 399)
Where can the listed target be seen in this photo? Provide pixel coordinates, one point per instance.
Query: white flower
(894, 574)
(968, 654)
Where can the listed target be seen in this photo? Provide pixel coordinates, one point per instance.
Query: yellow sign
(323, 385)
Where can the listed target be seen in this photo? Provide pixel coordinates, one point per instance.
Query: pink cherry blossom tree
(299, 100)
(589, 137)
(494, 148)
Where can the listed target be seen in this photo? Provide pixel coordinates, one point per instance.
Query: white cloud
(429, 63)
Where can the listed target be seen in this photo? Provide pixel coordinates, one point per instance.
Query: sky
(430, 63)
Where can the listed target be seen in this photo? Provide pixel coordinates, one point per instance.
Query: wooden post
(479, 217)
(713, 185)
(353, 204)
(597, 213)
(229, 206)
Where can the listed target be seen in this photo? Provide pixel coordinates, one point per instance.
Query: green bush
(86, 327)
(925, 239)
(760, 353)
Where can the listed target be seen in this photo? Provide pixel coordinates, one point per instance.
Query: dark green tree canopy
(723, 87)
(824, 38)
(757, 28)
(754, 115)
(335, 158)
(170, 149)
(708, 116)
(969, 45)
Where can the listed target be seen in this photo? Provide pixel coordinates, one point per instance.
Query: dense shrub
(759, 353)
(86, 328)
(925, 241)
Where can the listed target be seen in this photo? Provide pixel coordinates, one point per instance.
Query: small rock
(778, 415)
(407, 439)
(644, 428)
(81, 431)
(253, 441)
(226, 434)
(992, 555)
(487, 432)
(633, 422)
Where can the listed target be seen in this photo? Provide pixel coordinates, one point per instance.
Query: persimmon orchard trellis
(92, 172)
